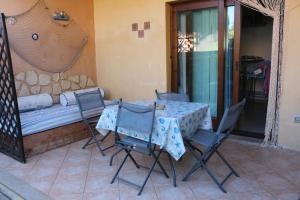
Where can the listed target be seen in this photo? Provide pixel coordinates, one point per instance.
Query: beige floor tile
(66, 196)
(59, 152)
(77, 160)
(20, 173)
(64, 186)
(251, 167)
(98, 170)
(293, 176)
(160, 179)
(138, 177)
(51, 162)
(102, 195)
(73, 173)
(287, 194)
(100, 182)
(172, 193)
(131, 192)
(7, 162)
(252, 196)
(44, 172)
(274, 182)
(207, 189)
(240, 185)
(43, 184)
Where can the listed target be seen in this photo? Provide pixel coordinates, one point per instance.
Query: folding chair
(86, 102)
(172, 96)
(212, 141)
(139, 119)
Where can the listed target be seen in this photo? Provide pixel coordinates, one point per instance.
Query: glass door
(198, 51)
(203, 52)
(198, 55)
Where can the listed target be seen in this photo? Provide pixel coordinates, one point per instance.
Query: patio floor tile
(74, 173)
(102, 195)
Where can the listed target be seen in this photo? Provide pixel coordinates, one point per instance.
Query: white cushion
(34, 102)
(68, 98)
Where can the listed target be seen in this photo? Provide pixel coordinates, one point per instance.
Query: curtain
(205, 58)
(268, 7)
(198, 56)
(274, 9)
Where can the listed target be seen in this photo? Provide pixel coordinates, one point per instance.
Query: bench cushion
(41, 120)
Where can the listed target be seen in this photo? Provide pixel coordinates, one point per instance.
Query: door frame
(195, 5)
(237, 52)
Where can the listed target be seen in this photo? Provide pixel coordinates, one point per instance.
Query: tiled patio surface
(72, 173)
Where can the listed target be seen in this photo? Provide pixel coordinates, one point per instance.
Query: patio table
(176, 121)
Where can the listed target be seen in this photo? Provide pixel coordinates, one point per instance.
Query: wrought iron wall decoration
(11, 139)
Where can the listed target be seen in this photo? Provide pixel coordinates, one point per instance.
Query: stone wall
(31, 83)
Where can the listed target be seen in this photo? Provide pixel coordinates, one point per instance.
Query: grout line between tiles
(34, 165)
(87, 174)
(69, 146)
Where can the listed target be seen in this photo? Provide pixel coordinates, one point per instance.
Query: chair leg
(102, 139)
(133, 160)
(112, 156)
(191, 171)
(119, 169)
(192, 150)
(196, 166)
(173, 170)
(201, 163)
(150, 171)
(220, 185)
(87, 143)
(97, 142)
(160, 165)
(93, 137)
(193, 147)
(228, 165)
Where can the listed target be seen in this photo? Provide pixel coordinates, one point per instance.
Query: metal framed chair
(137, 118)
(172, 96)
(86, 102)
(212, 141)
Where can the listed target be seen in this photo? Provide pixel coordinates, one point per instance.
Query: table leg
(173, 170)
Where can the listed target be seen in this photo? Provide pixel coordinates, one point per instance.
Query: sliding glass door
(203, 53)
(199, 63)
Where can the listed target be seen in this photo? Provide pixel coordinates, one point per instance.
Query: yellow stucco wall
(128, 66)
(289, 132)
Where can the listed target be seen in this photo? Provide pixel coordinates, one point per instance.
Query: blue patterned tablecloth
(176, 121)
